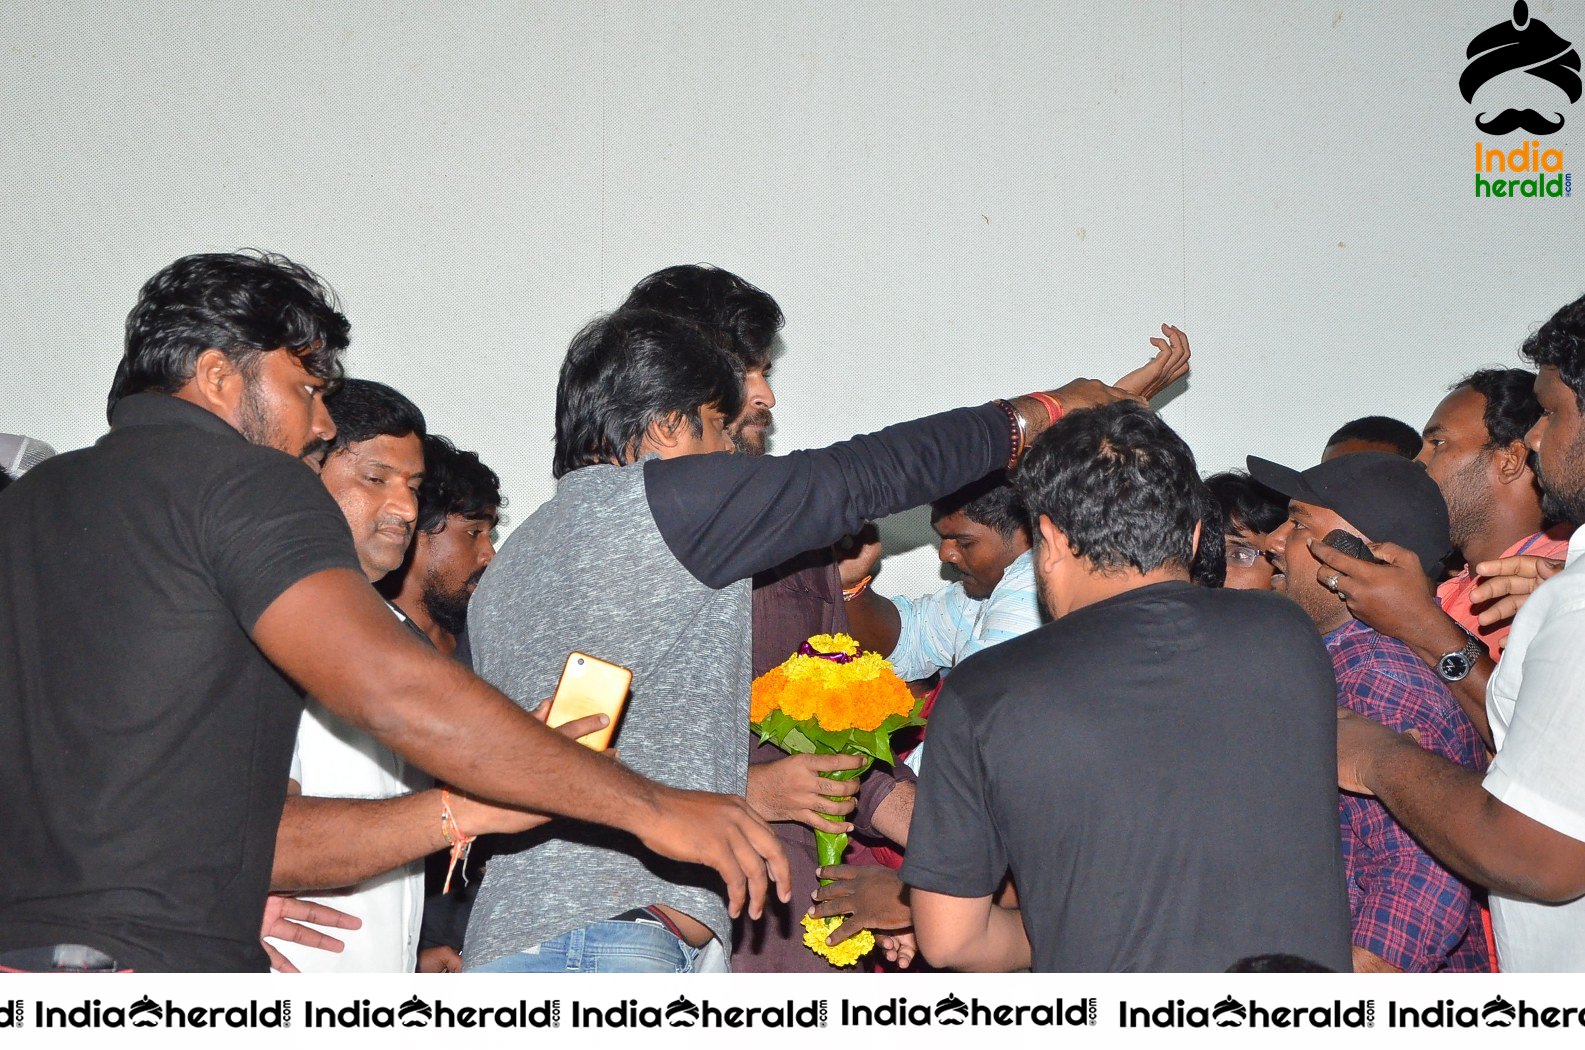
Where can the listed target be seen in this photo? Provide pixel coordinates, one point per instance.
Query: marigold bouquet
(828, 698)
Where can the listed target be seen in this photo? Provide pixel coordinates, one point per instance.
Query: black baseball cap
(1389, 498)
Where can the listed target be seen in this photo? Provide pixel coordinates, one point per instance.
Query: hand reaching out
(1170, 364)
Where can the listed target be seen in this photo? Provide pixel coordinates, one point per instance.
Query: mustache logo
(1499, 1013)
(145, 1013)
(1512, 119)
(1527, 44)
(414, 1012)
(1229, 1012)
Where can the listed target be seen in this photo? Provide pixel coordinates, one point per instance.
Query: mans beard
(449, 609)
(1468, 504)
(748, 433)
(1558, 502)
(255, 423)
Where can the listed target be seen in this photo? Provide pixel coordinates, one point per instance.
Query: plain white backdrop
(951, 202)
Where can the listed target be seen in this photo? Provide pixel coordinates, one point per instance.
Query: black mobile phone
(1350, 544)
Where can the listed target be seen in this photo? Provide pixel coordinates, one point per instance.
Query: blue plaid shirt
(1406, 907)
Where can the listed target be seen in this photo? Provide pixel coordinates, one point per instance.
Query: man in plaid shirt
(1409, 912)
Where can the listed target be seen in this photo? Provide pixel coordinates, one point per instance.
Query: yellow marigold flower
(859, 694)
(834, 643)
(847, 953)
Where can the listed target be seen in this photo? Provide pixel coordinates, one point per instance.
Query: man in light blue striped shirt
(985, 538)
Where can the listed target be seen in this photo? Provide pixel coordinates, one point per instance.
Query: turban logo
(1527, 44)
(1499, 1013)
(951, 1010)
(414, 1012)
(1228, 1013)
(145, 1013)
(682, 1013)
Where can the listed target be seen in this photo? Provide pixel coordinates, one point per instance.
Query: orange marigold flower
(859, 694)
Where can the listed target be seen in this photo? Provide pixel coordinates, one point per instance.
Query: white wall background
(951, 201)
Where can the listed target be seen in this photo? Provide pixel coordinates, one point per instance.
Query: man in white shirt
(1521, 830)
(358, 819)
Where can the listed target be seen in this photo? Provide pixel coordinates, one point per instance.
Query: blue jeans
(602, 947)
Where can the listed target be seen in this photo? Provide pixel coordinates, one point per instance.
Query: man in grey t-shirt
(643, 557)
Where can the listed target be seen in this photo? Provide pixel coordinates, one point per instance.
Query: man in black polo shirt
(1154, 766)
(153, 580)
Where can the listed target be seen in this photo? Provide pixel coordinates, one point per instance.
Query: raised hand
(1170, 364)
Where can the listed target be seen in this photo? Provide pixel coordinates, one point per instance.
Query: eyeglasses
(1241, 555)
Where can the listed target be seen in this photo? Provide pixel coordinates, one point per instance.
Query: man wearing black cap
(1520, 831)
(1409, 913)
(1475, 452)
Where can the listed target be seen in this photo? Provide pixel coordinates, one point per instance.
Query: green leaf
(797, 743)
(834, 742)
(850, 774)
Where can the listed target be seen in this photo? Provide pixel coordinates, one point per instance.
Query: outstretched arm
(328, 843)
(331, 633)
(1444, 806)
(727, 517)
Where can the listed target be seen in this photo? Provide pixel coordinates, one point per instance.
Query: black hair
(631, 369)
(1381, 430)
(457, 482)
(243, 304)
(1511, 405)
(1560, 342)
(991, 501)
(1246, 503)
(363, 409)
(1119, 483)
(743, 318)
(1208, 567)
(5, 479)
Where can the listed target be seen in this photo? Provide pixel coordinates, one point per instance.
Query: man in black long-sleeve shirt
(643, 557)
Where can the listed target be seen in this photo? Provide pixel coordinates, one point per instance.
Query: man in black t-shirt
(1155, 767)
(166, 595)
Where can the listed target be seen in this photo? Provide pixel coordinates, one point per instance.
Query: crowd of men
(261, 662)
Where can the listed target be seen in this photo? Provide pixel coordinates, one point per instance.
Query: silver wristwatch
(1456, 665)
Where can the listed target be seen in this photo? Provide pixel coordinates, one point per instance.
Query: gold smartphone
(590, 686)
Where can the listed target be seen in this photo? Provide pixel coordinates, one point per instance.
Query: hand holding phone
(1351, 545)
(590, 686)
